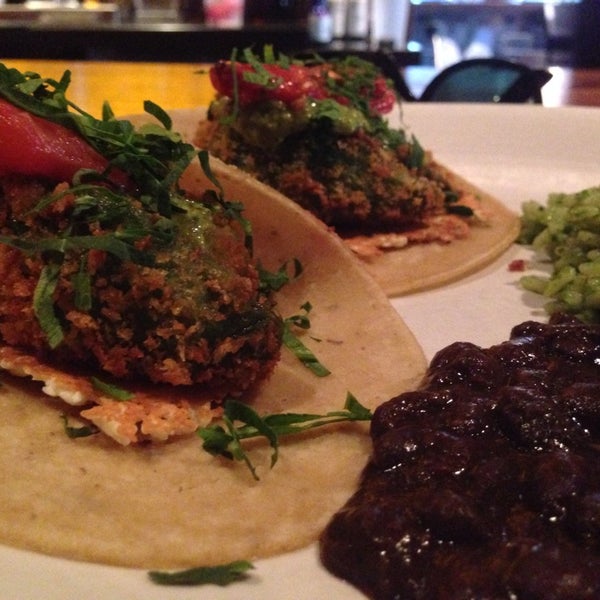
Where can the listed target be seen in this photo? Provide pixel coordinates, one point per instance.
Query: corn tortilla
(420, 266)
(423, 266)
(173, 506)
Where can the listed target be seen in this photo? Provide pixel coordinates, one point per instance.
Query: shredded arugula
(218, 575)
(111, 390)
(82, 284)
(260, 75)
(43, 304)
(416, 157)
(226, 440)
(275, 280)
(77, 432)
(300, 350)
(153, 156)
(146, 162)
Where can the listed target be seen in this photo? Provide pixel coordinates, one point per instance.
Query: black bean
(464, 363)
(484, 483)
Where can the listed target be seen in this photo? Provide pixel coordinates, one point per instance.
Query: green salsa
(268, 123)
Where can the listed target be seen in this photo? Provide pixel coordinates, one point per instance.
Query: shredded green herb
(152, 156)
(356, 83)
(43, 304)
(82, 284)
(293, 343)
(416, 157)
(275, 280)
(151, 159)
(226, 440)
(77, 432)
(260, 75)
(111, 390)
(218, 575)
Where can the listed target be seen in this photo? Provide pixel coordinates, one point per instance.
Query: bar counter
(126, 85)
(150, 42)
(186, 85)
(572, 87)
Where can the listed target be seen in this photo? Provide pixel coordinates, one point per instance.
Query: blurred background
(539, 33)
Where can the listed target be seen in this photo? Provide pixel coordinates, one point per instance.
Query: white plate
(516, 152)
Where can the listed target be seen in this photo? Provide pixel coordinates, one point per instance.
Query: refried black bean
(484, 483)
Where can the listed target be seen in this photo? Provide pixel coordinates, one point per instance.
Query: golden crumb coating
(354, 182)
(188, 310)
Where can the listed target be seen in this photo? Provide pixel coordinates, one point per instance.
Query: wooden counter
(186, 85)
(126, 85)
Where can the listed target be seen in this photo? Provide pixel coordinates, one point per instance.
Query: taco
(315, 130)
(100, 328)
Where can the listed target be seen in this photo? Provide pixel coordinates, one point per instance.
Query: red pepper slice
(31, 145)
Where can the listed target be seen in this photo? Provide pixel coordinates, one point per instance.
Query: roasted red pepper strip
(31, 145)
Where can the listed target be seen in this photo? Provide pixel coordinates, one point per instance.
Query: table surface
(186, 85)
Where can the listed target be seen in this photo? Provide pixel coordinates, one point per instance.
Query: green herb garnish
(82, 286)
(416, 157)
(217, 575)
(293, 343)
(226, 440)
(275, 280)
(111, 390)
(43, 304)
(125, 211)
(260, 75)
(78, 432)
